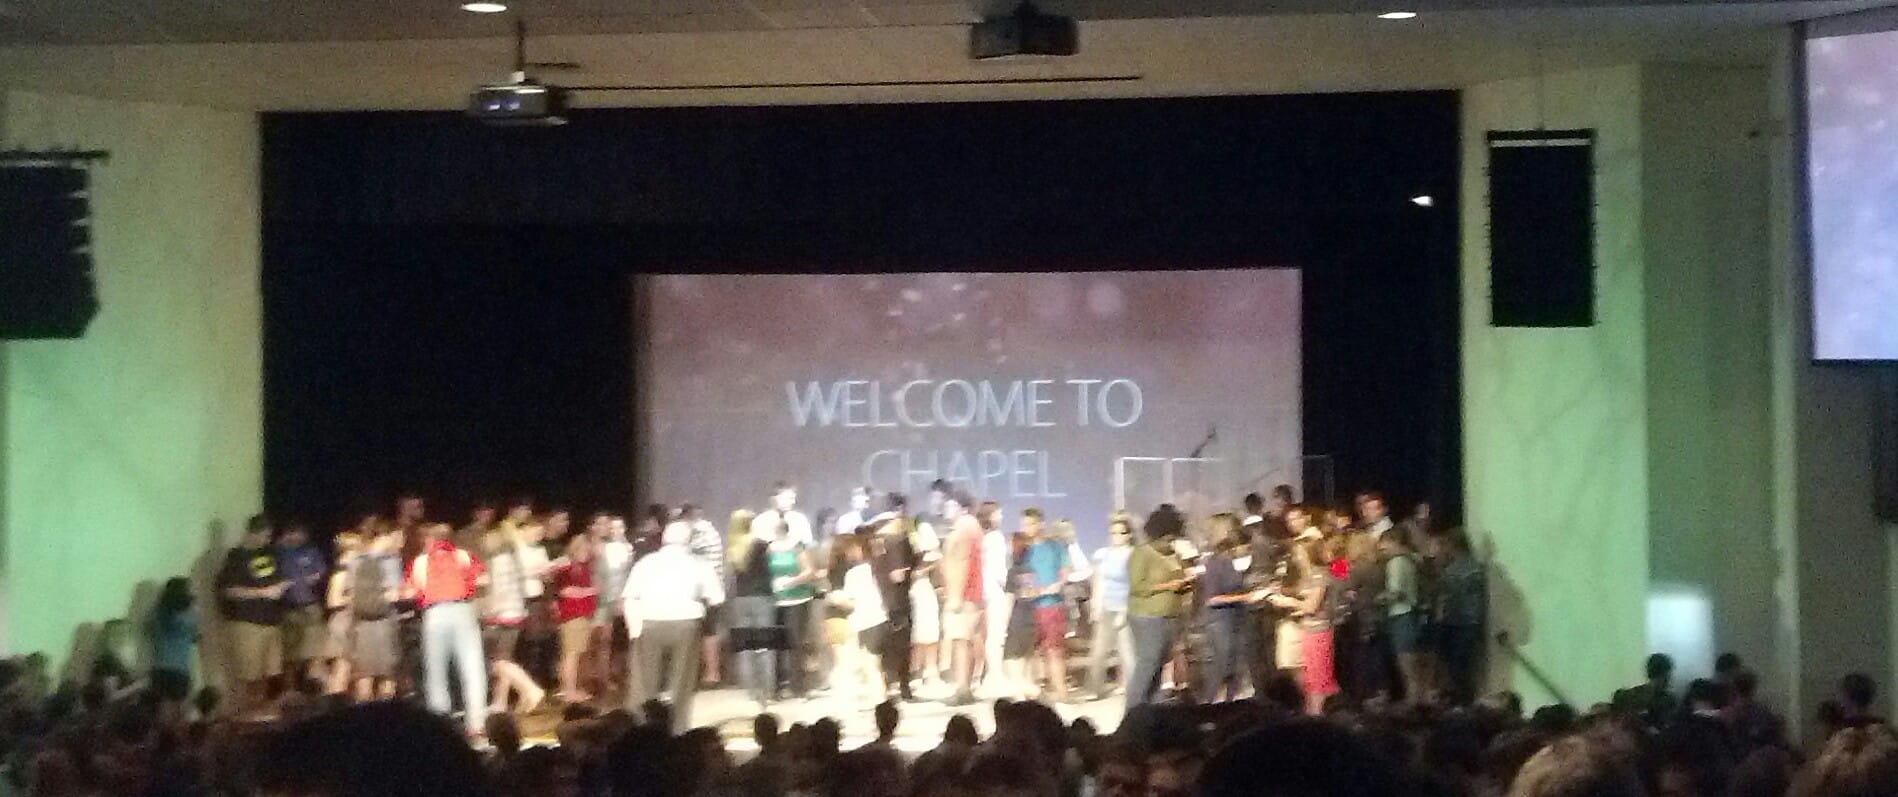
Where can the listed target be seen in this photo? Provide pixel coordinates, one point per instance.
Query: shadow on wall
(124, 636)
(87, 642)
(1509, 628)
(130, 635)
(203, 575)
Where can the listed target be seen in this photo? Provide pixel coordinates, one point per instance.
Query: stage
(731, 711)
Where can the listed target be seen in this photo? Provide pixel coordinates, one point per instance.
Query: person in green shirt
(793, 587)
(1155, 580)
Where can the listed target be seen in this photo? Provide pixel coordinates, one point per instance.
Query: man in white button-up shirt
(666, 597)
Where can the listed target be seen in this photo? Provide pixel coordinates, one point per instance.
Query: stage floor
(731, 711)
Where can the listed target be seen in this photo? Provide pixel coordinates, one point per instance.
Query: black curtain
(446, 304)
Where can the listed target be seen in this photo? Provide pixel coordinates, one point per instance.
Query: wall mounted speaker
(1542, 228)
(46, 285)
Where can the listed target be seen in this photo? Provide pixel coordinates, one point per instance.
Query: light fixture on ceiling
(1424, 201)
(484, 8)
(1028, 31)
(1398, 15)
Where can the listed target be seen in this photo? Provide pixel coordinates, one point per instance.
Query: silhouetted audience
(1717, 741)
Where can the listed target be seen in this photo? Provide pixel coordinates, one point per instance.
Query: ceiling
(209, 21)
(385, 54)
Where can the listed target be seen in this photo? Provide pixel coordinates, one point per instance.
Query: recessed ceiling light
(1424, 201)
(1385, 15)
(484, 8)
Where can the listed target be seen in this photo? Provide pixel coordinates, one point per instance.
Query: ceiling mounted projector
(1025, 32)
(526, 102)
(522, 103)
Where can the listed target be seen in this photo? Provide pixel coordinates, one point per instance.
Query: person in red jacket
(444, 580)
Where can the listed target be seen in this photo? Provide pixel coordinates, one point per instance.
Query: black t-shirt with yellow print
(251, 568)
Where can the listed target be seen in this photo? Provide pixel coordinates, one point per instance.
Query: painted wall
(126, 450)
(1837, 564)
(1678, 477)
(1554, 419)
(1712, 558)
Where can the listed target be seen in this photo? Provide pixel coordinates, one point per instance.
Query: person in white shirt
(709, 546)
(783, 516)
(666, 597)
(998, 601)
(1080, 574)
(799, 615)
(612, 560)
(869, 618)
(848, 522)
(925, 605)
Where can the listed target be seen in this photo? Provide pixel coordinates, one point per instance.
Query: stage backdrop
(1025, 388)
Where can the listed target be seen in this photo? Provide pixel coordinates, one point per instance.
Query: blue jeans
(450, 630)
(1462, 652)
(1153, 642)
(1226, 642)
(1404, 630)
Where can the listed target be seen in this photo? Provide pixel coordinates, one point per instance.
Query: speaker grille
(1542, 228)
(46, 284)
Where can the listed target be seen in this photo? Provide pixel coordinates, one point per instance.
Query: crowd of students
(1255, 619)
(942, 602)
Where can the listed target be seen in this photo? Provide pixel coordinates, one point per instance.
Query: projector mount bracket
(521, 65)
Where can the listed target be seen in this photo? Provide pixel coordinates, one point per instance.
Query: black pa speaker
(1542, 228)
(46, 287)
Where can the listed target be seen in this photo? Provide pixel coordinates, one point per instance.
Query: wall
(125, 450)
(1837, 553)
(1554, 419)
(1713, 561)
(1678, 477)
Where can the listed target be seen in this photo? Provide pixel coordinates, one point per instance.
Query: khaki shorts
(963, 622)
(305, 636)
(576, 635)
(256, 651)
(836, 631)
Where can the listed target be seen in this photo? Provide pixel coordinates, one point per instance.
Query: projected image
(1852, 106)
(1069, 392)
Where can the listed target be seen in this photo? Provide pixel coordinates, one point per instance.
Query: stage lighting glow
(484, 8)
(1424, 201)
(1398, 15)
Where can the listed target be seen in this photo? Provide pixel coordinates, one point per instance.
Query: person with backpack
(1462, 606)
(338, 617)
(1404, 612)
(373, 583)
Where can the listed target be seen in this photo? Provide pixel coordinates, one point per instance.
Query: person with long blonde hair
(755, 634)
(348, 545)
(577, 604)
(1313, 602)
(738, 537)
(1287, 635)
